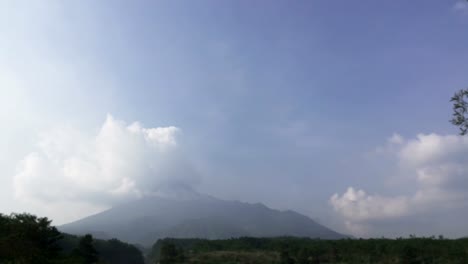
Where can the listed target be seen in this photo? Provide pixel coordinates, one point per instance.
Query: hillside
(146, 220)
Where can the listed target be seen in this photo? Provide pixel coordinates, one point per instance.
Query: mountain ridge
(145, 220)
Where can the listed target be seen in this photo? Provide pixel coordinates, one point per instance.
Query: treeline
(289, 250)
(27, 239)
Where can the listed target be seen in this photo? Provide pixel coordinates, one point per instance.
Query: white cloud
(439, 166)
(356, 205)
(48, 73)
(461, 5)
(396, 139)
(393, 142)
(119, 163)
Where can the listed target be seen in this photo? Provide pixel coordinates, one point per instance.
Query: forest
(291, 250)
(25, 238)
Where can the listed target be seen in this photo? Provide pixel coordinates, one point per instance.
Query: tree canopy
(460, 111)
(294, 250)
(28, 239)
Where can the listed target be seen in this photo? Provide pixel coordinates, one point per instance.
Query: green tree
(25, 238)
(460, 111)
(86, 250)
(304, 256)
(169, 253)
(117, 252)
(409, 255)
(285, 258)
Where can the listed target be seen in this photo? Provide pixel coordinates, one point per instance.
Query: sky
(336, 109)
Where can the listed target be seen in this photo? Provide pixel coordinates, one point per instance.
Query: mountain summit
(148, 219)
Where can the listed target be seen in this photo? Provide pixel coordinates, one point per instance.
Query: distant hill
(110, 251)
(146, 220)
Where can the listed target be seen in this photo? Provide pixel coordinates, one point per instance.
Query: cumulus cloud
(357, 205)
(120, 162)
(439, 166)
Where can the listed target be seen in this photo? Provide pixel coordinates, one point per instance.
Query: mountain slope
(145, 220)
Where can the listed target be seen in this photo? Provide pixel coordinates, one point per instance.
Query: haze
(335, 109)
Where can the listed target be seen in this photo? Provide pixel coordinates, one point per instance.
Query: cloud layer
(439, 166)
(461, 6)
(121, 162)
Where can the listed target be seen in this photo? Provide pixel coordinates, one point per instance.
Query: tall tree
(460, 111)
(25, 238)
(87, 251)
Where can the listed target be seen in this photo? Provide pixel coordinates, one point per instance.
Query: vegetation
(27, 239)
(86, 250)
(460, 111)
(289, 250)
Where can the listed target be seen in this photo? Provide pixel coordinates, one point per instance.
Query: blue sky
(277, 102)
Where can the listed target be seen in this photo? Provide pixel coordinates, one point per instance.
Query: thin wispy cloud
(461, 6)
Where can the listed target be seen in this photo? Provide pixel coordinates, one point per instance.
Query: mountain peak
(145, 220)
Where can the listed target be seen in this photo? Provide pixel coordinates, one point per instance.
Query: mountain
(144, 221)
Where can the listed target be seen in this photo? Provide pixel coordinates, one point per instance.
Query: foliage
(86, 250)
(27, 239)
(171, 254)
(234, 257)
(460, 111)
(314, 251)
(117, 252)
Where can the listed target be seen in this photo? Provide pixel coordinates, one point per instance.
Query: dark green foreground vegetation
(290, 250)
(27, 239)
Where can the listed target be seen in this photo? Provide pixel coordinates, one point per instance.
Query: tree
(409, 255)
(86, 250)
(285, 258)
(117, 252)
(168, 253)
(460, 111)
(304, 256)
(25, 238)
